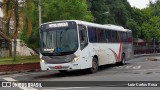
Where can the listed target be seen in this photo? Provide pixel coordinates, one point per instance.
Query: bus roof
(106, 26)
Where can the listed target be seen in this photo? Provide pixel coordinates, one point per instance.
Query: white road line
(119, 67)
(23, 88)
(137, 67)
(127, 67)
(148, 70)
(16, 75)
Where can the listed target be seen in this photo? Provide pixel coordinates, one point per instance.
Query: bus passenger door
(85, 54)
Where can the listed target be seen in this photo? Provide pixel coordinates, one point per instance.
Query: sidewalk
(153, 54)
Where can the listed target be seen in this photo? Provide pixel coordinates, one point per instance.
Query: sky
(140, 3)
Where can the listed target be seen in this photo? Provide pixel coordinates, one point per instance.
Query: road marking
(119, 67)
(16, 75)
(137, 67)
(127, 67)
(148, 70)
(23, 88)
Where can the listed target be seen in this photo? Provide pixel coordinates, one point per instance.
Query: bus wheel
(62, 71)
(94, 67)
(122, 60)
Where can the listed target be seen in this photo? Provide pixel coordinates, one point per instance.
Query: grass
(19, 60)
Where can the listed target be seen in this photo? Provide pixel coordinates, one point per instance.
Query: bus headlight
(43, 61)
(76, 58)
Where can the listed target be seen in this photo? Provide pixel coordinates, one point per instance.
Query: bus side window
(92, 34)
(108, 35)
(125, 37)
(83, 36)
(129, 37)
(122, 37)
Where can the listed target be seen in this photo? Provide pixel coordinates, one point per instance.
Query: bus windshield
(59, 40)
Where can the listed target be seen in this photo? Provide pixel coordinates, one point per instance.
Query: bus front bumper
(62, 66)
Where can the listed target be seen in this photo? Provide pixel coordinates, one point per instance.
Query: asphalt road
(146, 68)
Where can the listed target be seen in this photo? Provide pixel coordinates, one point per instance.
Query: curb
(14, 72)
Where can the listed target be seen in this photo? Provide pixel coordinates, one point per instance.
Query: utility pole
(39, 6)
(154, 46)
(16, 31)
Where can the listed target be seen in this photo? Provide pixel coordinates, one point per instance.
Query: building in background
(5, 42)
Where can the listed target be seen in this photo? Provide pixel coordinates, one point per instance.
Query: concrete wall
(22, 49)
(4, 52)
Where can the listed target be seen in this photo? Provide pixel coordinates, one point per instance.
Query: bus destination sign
(55, 25)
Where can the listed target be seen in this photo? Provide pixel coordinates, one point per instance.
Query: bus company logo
(98, 50)
(6, 84)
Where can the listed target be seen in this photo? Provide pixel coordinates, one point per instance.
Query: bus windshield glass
(59, 38)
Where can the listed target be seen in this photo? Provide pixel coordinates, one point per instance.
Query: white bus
(74, 44)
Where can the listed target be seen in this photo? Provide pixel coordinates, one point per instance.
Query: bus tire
(94, 67)
(122, 60)
(62, 71)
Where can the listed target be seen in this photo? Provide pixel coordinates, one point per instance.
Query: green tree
(31, 38)
(133, 25)
(120, 13)
(151, 29)
(53, 10)
(66, 10)
(14, 12)
(151, 22)
(98, 9)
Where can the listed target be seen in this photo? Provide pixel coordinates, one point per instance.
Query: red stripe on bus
(114, 54)
(120, 50)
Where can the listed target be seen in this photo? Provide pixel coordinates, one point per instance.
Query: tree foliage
(15, 12)
(143, 23)
(151, 29)
(66, 10)
(53, 10)
(119, 13)
(151, 23)
(31, 38)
